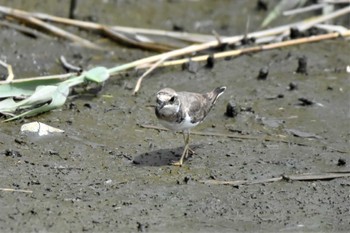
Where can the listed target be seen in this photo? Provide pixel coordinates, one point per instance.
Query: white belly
(184, 125)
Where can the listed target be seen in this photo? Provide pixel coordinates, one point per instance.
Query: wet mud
(106, 173)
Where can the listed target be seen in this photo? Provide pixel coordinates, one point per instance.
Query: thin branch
(68, 66)
(297, 177)
(122, 38)
(235, 137)
(192, 37)
(50, 77)
(118, 33)
(50, 28)
(336, 1)
(25, 30)
(323, 18)
(155, 65)
(238, 52)
(241, 182)
(10, 74)
(231, 40)
(246, 137)
(304, 9)
(332, 28)
(317, 176)
(16, 190)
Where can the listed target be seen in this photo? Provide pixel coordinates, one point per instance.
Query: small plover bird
(181, 111)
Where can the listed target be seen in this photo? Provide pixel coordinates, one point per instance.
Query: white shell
(39, 128)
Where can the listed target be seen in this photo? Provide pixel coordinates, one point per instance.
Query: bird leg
(185, 151)
(188, 149)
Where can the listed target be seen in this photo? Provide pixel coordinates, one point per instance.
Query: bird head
(167, 101)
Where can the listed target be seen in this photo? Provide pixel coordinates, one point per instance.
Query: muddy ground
(106, 173)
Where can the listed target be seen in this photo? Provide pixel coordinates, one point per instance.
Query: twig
(304, 9)
(332, 28)
(316, 176)
(193, 37)
(241, 182)
(324, 18)
(115, 33)
(155, 65)
(298, 177)
(25, 30)
(259, 48)
(50, 77)
(179, 52)
(122, 38)
(243, 137)
(54, 30)
(16, 190)
(337, 1)
(68, 66)
(192, 48)
(235, 137)
(10, 75)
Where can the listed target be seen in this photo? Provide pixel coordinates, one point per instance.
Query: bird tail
(214, 94)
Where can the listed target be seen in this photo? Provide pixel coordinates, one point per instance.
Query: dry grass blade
(297, 177)
(232, 136)
(50, 77)
(192, 37)
(316, 176)
(304, 9)
(332, 28)
(185, 36)
(241, 182)
(24, 17)
(147, 62)
(323, 18)
(25, 30)
(278, 138)
(16, 190)
(257, 48)
(236, 137)
(337, 1)
(155, 65)
(115, 33)
(111, 32)
(10, 74)
(68, 66)
(122, 38)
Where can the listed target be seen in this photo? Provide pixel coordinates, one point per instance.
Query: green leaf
(98, 74)
(59, 97)
(41, 95)
(23, 89)
(8, 106)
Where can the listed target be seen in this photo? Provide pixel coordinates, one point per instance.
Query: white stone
(39, 128)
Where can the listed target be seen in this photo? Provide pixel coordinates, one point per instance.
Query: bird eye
(172, 99)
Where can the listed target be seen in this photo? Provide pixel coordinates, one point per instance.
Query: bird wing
(196, 104)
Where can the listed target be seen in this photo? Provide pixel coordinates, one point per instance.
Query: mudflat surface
(106, 173)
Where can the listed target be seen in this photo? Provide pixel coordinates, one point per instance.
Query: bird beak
(160, 104)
